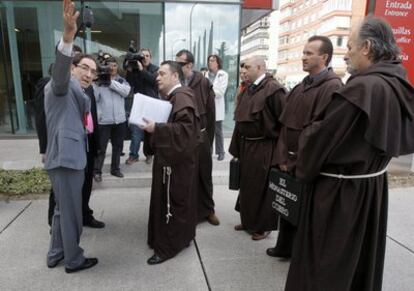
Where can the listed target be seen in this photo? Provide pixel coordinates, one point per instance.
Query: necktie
(88, 122)
(252, 87)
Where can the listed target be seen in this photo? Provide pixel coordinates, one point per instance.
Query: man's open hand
(70, 16)
(149, 126)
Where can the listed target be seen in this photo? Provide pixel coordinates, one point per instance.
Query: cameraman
(110, 92)
(142, 77)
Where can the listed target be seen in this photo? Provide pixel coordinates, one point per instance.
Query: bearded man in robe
(344, 153)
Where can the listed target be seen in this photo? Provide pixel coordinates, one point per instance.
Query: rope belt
(167, 171)
(254, 138)
(340, 176)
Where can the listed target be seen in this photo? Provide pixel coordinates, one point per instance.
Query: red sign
(400, 15)
(258, 4)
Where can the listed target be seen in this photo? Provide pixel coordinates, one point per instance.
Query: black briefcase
(234, 177)
(284, 193)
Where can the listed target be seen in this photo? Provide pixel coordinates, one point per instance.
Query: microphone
(87, 17)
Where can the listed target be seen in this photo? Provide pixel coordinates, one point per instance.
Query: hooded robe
(340, 243)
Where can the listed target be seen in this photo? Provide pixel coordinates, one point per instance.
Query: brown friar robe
(254, 141)
(204, 95)
(175, 151)
(306, 101)
(303, 103)
(340, 243)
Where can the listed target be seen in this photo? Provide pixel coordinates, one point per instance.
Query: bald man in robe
(254, 143)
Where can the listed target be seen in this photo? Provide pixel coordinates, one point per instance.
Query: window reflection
(206, 29)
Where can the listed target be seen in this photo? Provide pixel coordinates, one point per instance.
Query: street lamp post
(191, 26)
(172, 47)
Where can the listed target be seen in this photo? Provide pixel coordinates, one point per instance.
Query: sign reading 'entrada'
(399, 15)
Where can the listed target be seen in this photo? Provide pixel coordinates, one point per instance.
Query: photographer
(110, 91)
(141, 74)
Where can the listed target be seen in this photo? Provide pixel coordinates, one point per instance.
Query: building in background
(299, 20)
(29, 31)
(261, 39)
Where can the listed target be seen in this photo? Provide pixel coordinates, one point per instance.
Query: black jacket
(40, 113)
(144, 81)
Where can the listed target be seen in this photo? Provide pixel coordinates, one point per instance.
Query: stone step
(144, 179)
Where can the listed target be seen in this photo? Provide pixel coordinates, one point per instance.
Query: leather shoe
(148, 160)
(93, 223)
(275, 252)
(117, 173)
(155, 259)
(213, 219)
(55, 263)
(97, 177)
(239, 227)
(88, 263)
(260, 235)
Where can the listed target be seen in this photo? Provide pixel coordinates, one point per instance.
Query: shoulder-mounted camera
(104, 70)
(132, 56)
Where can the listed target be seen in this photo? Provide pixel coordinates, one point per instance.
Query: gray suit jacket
(65, 107)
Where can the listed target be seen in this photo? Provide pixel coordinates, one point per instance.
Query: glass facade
(29, 31)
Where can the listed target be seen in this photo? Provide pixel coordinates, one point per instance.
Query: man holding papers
(172, 218)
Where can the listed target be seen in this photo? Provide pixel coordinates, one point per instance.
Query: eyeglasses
(86, 69)
(182, 64)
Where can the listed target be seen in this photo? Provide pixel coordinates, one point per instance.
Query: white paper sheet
(151, 108)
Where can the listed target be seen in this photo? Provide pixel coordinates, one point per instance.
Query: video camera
(132, 56)
(104, 70)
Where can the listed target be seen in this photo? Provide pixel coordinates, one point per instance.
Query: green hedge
(34, 181)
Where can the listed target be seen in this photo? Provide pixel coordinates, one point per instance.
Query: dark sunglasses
(182, 64)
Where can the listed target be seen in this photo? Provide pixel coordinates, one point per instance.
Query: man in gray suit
(66, 109)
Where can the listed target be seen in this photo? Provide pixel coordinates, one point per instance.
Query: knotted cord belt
(167, 171)
(340, 176)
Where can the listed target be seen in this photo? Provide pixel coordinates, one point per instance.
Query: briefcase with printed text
(284, 193)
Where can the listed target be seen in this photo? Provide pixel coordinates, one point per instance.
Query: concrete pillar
(17, 81)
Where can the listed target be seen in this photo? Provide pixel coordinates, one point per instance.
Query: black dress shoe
(275, 252)
(117, 173)
(155, 259)
(88, 263)
(55, 263)
(93, 223)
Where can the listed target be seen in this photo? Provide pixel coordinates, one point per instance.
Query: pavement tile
(401, 216)
(9, 210)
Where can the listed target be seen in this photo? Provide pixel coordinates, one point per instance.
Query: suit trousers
(115, 132)
(87, 212)
(67, 218)
(218, 135)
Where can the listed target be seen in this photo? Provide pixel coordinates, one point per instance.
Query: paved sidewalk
(219, 259)
(231, 260)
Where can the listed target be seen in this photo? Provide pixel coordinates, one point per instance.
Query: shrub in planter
(34, 181)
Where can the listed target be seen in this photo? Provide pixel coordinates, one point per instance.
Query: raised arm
(62, 68)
